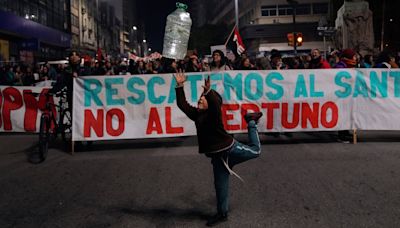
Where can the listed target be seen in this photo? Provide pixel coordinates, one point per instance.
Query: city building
(34, 30)
(129, 20)
(264, 24)
(109, 30)
(132, 31)
(84, 26)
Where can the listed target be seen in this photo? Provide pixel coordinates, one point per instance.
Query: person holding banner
(224, 151)
(348, 59)
(67, 79)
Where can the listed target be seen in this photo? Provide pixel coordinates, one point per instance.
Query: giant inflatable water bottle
(177, 32)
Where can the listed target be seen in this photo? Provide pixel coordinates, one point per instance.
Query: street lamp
(145, 47)
(134, 36)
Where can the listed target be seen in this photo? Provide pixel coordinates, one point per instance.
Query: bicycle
(50, 125)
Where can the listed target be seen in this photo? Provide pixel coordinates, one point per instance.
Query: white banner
(21, 110)
(144, 106)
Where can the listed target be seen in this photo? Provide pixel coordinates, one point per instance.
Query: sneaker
(253, 116)
(217, 219)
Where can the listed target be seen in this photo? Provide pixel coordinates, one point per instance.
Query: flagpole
(237, 13)
(236, 21)
(227, 40)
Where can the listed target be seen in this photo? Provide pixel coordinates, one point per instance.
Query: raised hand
(207, 84)
(180, 77)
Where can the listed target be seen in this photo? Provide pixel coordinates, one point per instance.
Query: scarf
(349, 62)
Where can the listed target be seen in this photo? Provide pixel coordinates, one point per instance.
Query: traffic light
(299, 39)
(290, 37)
(295, 37)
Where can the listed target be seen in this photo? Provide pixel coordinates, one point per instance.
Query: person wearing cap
(219, 62)
(348, 59)
(225, 152)
(276, 60)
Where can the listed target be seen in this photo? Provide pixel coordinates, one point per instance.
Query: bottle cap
(181, 6)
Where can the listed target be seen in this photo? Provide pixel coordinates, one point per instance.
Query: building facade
(132, 28)
(41, 30)
(109, 30)
(264, 24)
(84, 25)
(34, 30)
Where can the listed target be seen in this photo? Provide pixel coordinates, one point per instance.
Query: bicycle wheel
(66, 125)
(44, 136)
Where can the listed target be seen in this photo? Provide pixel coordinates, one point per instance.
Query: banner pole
(354, 136)
(227, 40)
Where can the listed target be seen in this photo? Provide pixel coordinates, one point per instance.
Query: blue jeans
(237, 154)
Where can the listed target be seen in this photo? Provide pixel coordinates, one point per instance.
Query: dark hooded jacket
(211, 135)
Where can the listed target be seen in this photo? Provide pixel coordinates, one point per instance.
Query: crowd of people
(27, 75)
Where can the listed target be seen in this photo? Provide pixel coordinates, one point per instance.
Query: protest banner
(20, 110)
(144, 106)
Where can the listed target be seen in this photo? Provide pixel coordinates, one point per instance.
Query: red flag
(239, 43)
(99, 55)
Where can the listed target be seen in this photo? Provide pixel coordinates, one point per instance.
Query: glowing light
(299, 39)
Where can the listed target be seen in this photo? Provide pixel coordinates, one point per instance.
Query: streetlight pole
(134, 39)
(294, 4)
(145, 47)
(383, 24)
(237, 14)
(97, 24)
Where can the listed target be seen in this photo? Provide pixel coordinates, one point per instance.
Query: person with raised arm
(225, 152)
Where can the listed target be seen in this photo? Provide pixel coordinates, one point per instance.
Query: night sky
(154, 14)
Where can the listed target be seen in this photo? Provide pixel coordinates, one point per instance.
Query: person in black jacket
(216, 143)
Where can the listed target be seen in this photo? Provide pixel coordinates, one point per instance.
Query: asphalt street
(306, 180)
